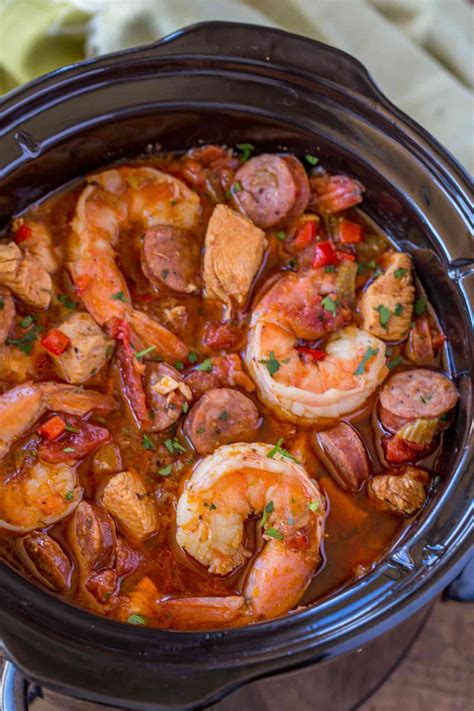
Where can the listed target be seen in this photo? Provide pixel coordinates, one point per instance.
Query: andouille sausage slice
(221, 416)
(171, 256)
(414, 394)
(271, 189)
(166, 394)
(343, 454)
(7, 313)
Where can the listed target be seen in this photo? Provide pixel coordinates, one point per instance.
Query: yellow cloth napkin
(420, 52)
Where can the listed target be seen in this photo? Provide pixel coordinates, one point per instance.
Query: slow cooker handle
(273, 48)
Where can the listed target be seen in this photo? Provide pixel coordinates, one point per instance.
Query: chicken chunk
(402, 493)
(386, 306)
(87, 351)
(21, 272)
(7, 314)
(126, 498)
(40, 244)
(233, 253)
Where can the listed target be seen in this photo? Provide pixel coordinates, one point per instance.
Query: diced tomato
(304, 236)
(350, 232)
(399, 451)
(22, 233)
(325, 254)
(315, 353)
(55, 342)
(53, 428)
(217, 336)
(81, 283)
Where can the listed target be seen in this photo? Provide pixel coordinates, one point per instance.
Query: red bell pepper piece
(55, 342)
(22, 233)
(325, 254)
(304, 236)
(53, 428)
(315, 353)
(350, 232)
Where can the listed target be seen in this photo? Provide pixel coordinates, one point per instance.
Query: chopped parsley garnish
(174, 445)
(70, 428)
(137, 619)
(281, 234)
(206, 365)
(211, 506)
(246, 149)
(192, 356)
(236, 188)
(67, 302)
(68, 449)
(394, 362)
(144, 352)
(293, 263)
(223, 416)
(330, 268)
(312, 160)
(444, 418)
(165, 471)
(365, 266)
(425, 398)
(164, 273)
(271, 363)
(313, 505)
(329, 304)
(400, 273)
(2, 303)
(174, 202)
(398, 310)
(384, 315)
(25, 342)
(360, 370)
(278, 449)
(69, 496)
(420, 305)
(179, 365)
(201, 430)
(147, 443)
(269, 508)
(274, 533)
(119, 296)
(27, 321)
(185, 407)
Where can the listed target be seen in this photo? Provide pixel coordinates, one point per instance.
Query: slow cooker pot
(233, 83)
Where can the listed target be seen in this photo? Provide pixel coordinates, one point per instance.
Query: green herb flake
(236, 188)
(278, 449)
(312, 160)
(26, 322)
(330, 268)
(425, 398)
(206, 365)
(329, 304)
(281, 235)
(269, 508)
(2, 303)
(25, 343)
(179, 365)
(69, 496)
(174, 445)
(293, 264)
(274, 533)
(147, 443)
(68, 449)
(394, 362)
(185, 407)
(313, 505)
(192, 356)
(272, 364)
(362, 267)
(223, 416)
(384, 315)
(398, 310)
(70, 428)
(165, 471)
(119, 296)
(174, 202)
(444, 418)
(67, 302)
(360, 370)
(137, 619)
(400, 273)
(141, 354)
(211, 506)
(246, 150)
(420, 305)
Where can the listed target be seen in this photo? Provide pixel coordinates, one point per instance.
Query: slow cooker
(230, 83)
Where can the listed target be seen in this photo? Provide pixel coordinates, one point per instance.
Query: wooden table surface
(436, 675)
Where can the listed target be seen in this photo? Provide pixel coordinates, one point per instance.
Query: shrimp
(23, 405)
(307, 385)
(39, 495)
(116, 200)
(235, 482)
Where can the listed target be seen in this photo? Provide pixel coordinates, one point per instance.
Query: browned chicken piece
(40, 244)
(15, 366)
(386, 306)
(7, 314)
(87, 351)
(21, 272)
(126, 498)
(233, 253)
(92, 537)
(402, 493)
(40, 556)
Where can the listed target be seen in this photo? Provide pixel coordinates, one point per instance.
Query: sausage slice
(171, 256)
(221, 416)
(414, 394)
(343, 454)
(166, 394)
(271, 189)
